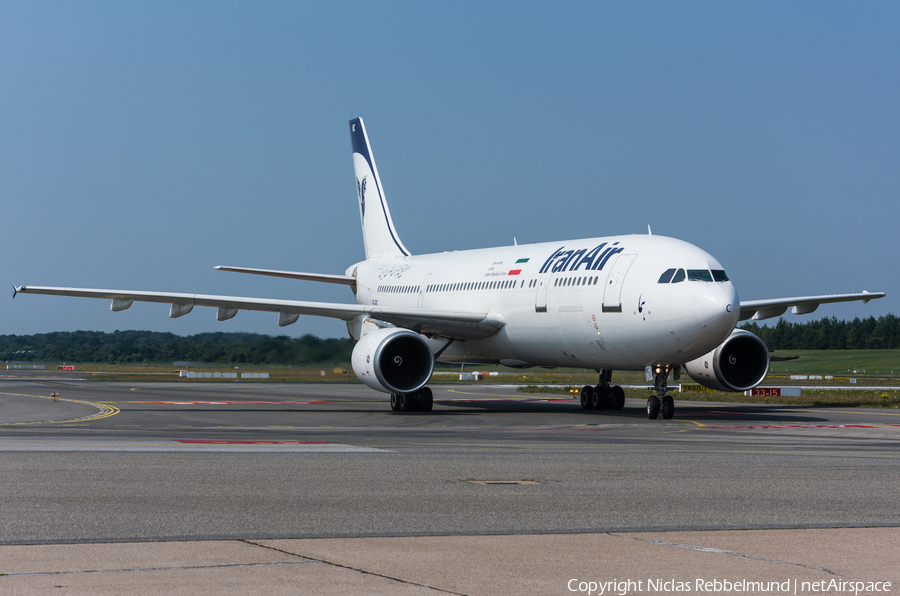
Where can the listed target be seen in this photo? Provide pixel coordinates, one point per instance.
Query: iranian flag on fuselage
(517, 271)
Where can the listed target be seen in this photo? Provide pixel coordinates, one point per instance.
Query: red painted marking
(217, 442)
(776, 426)
(520, 400)
(226, 403)
(515, 272)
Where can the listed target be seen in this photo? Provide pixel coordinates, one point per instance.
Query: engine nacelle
(740, 363)
(393, 360)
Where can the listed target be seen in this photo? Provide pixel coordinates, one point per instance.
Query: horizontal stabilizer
(346, 280)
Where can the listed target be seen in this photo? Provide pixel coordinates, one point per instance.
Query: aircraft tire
(395, 402)
(668, 407)
(618, 395)
(603, 400)
(407, 402)
(653, 407)
(587, 394)
(427, 399)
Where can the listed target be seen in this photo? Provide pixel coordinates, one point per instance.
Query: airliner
(620, 303)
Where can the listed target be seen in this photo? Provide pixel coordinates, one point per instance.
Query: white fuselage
(593, 303)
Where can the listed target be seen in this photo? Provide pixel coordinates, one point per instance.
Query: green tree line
(254, 348)
(154, 347)
(831, 334)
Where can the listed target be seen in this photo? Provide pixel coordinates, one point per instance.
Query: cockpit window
(679, 276)
(667, 276)
(719, 275)
(699, 275)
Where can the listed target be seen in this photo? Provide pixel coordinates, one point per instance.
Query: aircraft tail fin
(379, 236)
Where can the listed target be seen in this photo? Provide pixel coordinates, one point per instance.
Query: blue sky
(143, 143)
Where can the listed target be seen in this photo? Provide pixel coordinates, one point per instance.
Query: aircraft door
(612, 293)
(540, 296)
(422, 289)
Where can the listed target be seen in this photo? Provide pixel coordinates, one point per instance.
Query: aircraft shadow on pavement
(732, 414)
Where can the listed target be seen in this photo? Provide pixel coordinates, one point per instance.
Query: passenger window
(667, 276)
(719, 275)
(699, 275)
(679, 276)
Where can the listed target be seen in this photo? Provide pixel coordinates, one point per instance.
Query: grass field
(838, 362)
(869, 367)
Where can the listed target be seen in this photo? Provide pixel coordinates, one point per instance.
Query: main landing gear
(661, 401)
(420, 401)
(603, 397)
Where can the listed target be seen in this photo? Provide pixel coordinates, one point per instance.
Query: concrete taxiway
(322, 488)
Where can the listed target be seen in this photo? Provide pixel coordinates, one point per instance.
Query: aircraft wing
(766, 309)
(443, 323)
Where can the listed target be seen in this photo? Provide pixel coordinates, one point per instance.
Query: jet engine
(740, 363)
(393, 360)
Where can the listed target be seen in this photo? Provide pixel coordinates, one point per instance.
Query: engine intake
(740, 363)
(393, 360)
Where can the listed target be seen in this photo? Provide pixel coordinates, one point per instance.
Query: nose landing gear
(661, 401)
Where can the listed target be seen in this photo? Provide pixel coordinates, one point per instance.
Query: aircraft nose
(717, 308)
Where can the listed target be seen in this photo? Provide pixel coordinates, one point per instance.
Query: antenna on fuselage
(649, 231)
